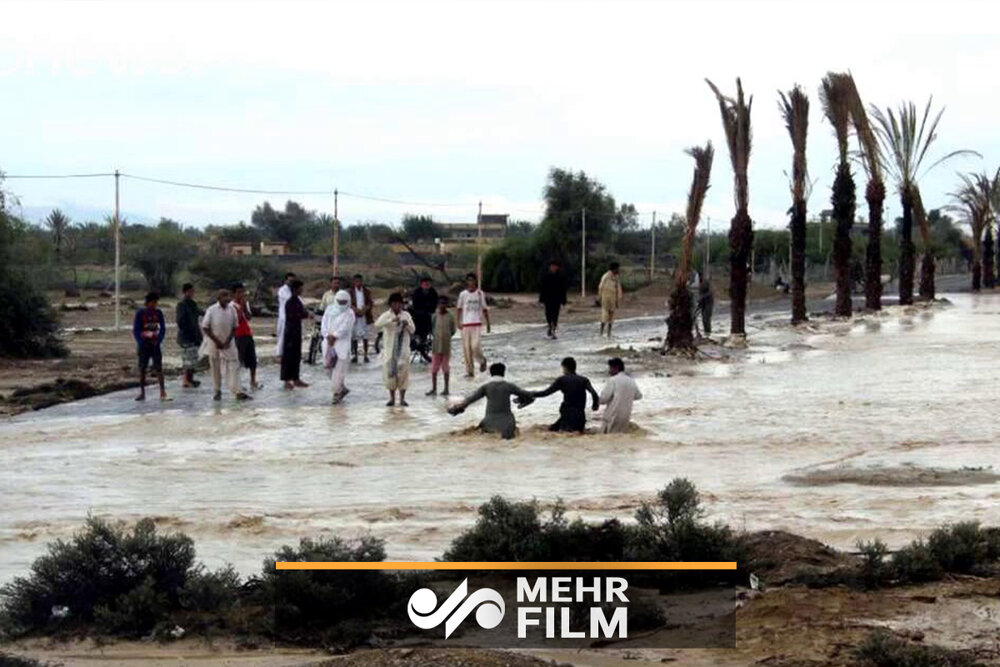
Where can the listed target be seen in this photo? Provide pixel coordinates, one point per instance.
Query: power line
(44, 176)
(222, 188)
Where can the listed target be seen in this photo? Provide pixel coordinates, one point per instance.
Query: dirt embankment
(801, 615)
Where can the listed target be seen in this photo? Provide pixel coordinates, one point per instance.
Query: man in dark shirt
(574, 388)
(189, 334)
(424, 301)
(553, 296)
(498, 418)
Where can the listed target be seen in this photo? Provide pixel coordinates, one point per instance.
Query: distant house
(272, 248)
(494, 228)
(238, 248)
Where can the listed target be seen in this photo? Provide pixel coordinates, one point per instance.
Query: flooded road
(845, 410)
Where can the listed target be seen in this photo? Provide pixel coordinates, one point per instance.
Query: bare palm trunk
(977, 275)
(680, 322)
(927, 270)
(799, 262)
(907, 253)
(989, 277)
(843, 215)
(740, 245)
(875, 196)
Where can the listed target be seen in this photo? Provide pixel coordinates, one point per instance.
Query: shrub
(207, 591)
(881, 649)
(311, 602)
(223, 271)
(915, 563)
(668, 530)
(960, 547)
(28, 324)
(874, 568)
(123, 581)
(11, 660)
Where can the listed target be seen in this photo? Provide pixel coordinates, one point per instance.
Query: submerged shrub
(881, 649)
(123, 581)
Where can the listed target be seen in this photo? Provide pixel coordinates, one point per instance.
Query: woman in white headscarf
(338, 323)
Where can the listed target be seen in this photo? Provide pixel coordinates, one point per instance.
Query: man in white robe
(219, 326)
(284, 294)
(619, 392)
(396, 326)
(336, 329)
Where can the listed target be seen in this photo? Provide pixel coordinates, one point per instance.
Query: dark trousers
(291, 360)
(552, 315)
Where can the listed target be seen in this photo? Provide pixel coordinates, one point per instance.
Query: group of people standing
(223, 333)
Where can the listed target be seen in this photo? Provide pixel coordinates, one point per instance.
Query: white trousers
(228, 367)
(472, 348)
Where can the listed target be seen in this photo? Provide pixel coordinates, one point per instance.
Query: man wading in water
(574, 388)
(498, 418)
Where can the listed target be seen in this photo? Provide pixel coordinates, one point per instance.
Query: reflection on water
(898, 389)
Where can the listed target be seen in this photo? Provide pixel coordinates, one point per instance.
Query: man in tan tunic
(610, 294)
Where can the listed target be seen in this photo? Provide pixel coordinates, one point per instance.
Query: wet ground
(795, 435)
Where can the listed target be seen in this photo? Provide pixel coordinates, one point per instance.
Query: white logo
(456, 608)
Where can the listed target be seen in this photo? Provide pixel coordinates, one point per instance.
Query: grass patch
(882, 649)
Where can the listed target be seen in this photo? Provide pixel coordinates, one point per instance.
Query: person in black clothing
(553, 296)
(423, 302)
(574, 388)
(189, 334)
(291, 347)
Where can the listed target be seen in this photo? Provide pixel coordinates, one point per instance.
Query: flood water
(911, 390)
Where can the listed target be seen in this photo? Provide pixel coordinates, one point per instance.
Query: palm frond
(835, 97)
(906, 137)
(700, 182)
(736, 124)
(870, 153)
(795, 109)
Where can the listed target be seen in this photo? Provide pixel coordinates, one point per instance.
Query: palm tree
(905, 142)
(736, 123)
(871, 159)
(973, 201)
(58, 223)
(795, 108)
(836, 95)
(680, 321)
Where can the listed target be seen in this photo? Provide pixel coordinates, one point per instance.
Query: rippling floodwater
(897, 390)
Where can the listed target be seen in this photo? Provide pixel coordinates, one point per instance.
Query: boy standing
(189, 335)
(149, 329)
(246, 349)
(472, 312)
(443, 327)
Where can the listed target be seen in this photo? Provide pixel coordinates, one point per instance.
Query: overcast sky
(460, 102)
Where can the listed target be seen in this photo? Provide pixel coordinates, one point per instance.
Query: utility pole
(652, 249)
(583, 255)
(479, 245)
(118, 253)
(336, 234)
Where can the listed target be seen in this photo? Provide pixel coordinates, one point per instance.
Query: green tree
(418, 228)
(795, 110)
(159, 255)
(906, 137)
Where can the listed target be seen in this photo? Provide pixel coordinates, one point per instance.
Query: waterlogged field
(885, 426)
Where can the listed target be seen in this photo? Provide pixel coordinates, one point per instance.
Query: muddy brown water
(904, 390)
